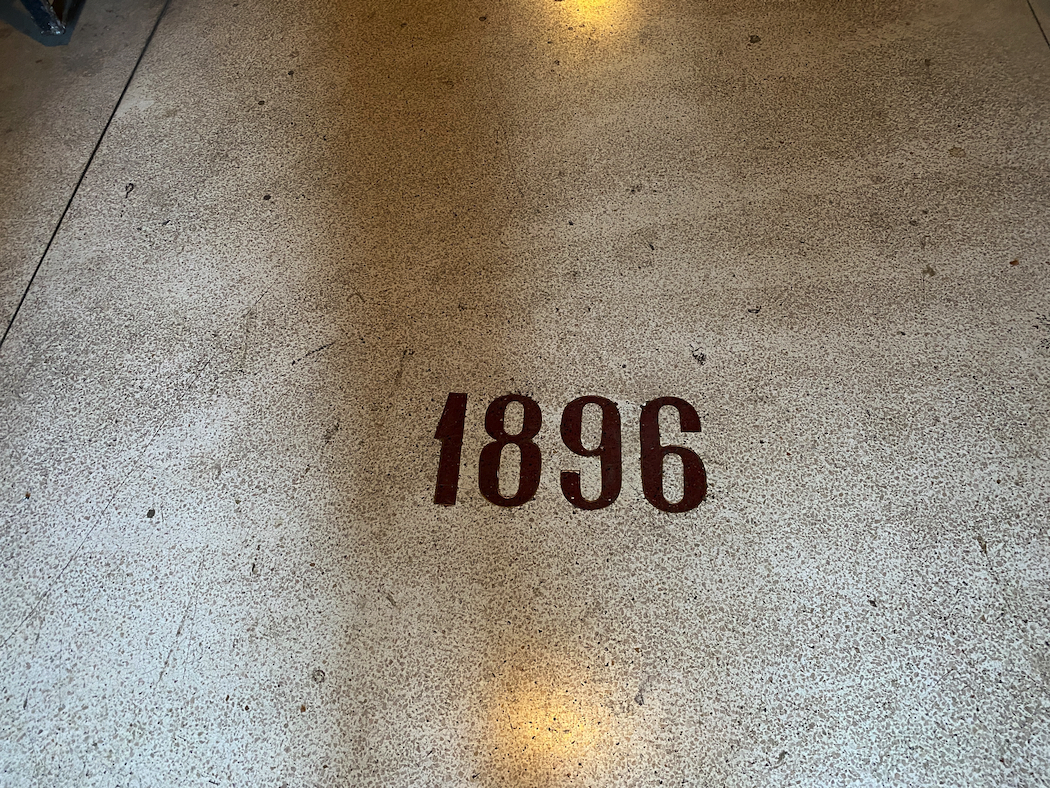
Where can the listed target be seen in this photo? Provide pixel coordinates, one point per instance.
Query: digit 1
(608, 449)
(450, 433)
(694, 477)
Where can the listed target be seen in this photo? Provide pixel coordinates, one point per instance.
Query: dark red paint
(653, 453)
(489, 462)
(450, 433)
(608, 449)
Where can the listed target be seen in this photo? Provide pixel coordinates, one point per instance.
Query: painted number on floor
(608, 452)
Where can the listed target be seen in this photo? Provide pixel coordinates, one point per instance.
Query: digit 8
(489, 462)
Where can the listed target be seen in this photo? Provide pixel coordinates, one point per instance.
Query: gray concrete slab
(54, 103)
(825, 228)
(1041, 10)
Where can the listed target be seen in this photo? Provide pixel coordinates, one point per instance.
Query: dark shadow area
(15, 14)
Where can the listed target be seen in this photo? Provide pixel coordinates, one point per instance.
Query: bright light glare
(551, 724)
(597, 14)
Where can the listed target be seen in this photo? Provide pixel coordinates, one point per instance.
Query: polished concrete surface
(54, 104)
(824, 226)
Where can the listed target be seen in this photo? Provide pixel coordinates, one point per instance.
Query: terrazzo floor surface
(309, 226)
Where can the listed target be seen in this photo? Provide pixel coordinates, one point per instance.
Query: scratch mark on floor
(135, 471)
(315, 350)
(244, 347)
(249, 313)
(191, 605)
(401, 367)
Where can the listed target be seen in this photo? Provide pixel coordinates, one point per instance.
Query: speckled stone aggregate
(826, 226)
(54, 103)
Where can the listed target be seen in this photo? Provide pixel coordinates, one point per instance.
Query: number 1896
(608, 451)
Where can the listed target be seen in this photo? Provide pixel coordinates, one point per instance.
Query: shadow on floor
(13, 13)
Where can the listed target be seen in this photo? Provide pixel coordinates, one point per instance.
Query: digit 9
(609, 450)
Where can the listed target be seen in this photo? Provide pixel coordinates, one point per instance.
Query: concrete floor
(825, 226)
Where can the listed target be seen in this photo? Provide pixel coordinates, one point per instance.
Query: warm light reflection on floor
(600, 15)
(546, 730)
(551, 724)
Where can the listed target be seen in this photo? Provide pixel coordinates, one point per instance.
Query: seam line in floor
(1038, 23)
(83, 173)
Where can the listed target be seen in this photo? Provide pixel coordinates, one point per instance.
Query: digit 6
(694, 479)
(608, 449)
(488, 463)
